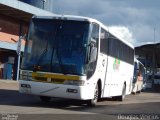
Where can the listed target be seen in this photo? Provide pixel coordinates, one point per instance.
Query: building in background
(14, 21)
(149, 55)
(43, 4)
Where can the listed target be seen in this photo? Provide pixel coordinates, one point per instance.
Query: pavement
(14, 105)
(9, 84)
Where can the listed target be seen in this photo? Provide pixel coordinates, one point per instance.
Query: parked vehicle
(155, 80)
(139, 77)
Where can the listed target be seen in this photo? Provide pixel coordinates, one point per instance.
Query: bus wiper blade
(37, 66)
(60, 62)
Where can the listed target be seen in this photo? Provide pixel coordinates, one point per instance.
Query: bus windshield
(56, 46)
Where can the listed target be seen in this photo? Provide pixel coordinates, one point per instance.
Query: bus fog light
(25, 86)
(72, 90)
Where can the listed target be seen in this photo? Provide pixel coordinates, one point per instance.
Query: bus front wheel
(93, 101)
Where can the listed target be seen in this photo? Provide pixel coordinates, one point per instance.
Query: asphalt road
(144, 106)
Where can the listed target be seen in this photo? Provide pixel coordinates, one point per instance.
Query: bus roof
(81, 18)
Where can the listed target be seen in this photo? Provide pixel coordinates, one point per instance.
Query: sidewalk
(8, 84)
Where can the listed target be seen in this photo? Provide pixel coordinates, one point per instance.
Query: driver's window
(93, 50)
(94, 42)
(95, 33)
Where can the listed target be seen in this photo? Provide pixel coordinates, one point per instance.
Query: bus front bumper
(57, 90)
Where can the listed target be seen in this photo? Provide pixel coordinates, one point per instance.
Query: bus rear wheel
(122, 97)
(45, 98)
(93, 101)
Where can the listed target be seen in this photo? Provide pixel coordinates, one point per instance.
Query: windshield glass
(56, 46)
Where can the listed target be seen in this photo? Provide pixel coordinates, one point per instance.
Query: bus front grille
(49, 80)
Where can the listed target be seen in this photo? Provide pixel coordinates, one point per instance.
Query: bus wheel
(121, 98)
(93, 101)
(45, 98)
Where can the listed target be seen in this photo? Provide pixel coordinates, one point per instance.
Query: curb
(8, 81)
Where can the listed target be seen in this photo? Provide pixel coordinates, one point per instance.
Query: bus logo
(116, 64)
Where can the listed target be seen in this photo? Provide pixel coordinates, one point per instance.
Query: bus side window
(104, 41)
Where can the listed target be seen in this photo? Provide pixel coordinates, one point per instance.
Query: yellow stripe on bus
(55, 76)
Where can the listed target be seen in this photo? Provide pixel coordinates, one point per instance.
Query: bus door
(104, 42)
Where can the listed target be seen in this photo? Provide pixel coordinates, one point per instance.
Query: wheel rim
(123, 92)
(96, 94)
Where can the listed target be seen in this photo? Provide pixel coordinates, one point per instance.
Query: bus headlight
(74, 82)
(25, 75)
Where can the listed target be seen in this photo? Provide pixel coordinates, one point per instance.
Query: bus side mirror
(24, 37)
(93, 54)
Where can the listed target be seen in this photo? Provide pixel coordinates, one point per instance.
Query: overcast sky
(133, 20)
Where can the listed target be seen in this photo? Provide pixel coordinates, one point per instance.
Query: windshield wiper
(58, 57)
(60, 62)
(37, 66)
(58, 31)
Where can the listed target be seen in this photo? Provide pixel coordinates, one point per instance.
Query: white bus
(75, 58)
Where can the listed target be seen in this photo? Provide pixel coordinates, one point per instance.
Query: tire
(45, 98)
(93, 101)
(139, 92)
(122, 97)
